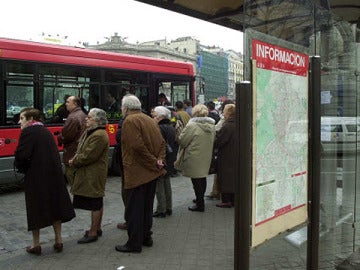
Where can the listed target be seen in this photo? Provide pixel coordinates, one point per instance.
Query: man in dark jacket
(70, 134)
(213, 113)
(143, 154)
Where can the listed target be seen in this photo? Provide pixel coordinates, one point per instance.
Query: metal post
(314, 165)
(244, 175)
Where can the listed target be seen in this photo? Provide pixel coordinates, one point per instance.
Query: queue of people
(148, 149)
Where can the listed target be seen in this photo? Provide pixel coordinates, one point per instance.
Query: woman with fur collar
(196, 142)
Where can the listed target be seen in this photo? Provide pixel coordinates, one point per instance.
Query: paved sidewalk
(186, 240)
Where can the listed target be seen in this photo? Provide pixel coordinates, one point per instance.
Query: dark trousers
(139, 211)
(124, 197)
(199, 185)
(227, 198)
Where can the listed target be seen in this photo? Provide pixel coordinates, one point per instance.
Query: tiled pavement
(186, 240)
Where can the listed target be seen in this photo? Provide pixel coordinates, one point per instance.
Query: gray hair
(99, 116)
(131, 102)
(163, 112)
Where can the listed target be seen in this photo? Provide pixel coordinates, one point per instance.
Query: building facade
(216, 71)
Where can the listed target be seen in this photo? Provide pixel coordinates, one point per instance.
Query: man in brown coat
(70, 134)
(143, 154)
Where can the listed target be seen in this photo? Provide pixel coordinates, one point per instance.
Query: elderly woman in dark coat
(162, 116)
(46, 196)
(225, 143)
(91, 165)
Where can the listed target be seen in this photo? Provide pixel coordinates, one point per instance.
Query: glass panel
(112, 101)
(119, 83)
(315, 28)
(174, 91)
(57, 83)
(19, 90)
(338, 162)
(289, 25)
(142, 92)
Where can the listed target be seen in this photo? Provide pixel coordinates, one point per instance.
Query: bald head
(72, 102)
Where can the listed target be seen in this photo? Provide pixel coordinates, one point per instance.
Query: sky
(92, 21)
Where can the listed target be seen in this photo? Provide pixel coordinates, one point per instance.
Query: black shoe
(148, 242)
(168, 212)
(196, 208)
(87, 239)
(126, 248)
(160, 215)
(99, 233)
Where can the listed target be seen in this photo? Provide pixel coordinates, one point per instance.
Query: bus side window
(19, 90)
(58, 111)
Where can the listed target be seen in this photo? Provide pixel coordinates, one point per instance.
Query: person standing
(90, 165)
(213, 113)
(188, 106)
(179, 108)
(70, 134)
(196, 143)
(61, 113)
(46, 196)
(163, 100)
(163, 186)
(112, 104)
(118, 157)
(143, 153)
(225, 143)
(215, 193)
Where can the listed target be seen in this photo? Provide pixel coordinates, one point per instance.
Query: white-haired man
(143, 154)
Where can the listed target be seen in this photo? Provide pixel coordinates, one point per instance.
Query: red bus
(41, 75)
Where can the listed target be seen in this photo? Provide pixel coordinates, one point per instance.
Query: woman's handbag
(178, 164)
(213, 164)
(169, 149)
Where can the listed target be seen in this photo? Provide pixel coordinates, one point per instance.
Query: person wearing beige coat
(196, 142)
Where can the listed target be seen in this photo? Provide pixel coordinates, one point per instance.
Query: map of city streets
(280, 141)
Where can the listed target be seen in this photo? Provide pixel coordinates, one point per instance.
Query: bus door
(119, 83)
(175, 90)
(17, 93)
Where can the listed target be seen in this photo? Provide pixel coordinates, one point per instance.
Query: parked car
(13, 110)
(340, 134)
